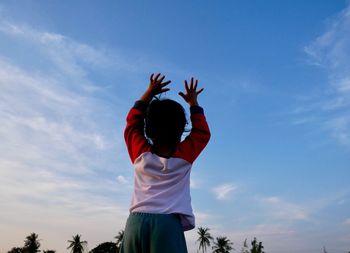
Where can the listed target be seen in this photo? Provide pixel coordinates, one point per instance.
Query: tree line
(222, 244)
(76, 245)
(205, 241)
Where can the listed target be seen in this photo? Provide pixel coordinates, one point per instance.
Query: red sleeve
(135, 139)
(195, 142)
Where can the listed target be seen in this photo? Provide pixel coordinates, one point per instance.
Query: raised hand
(156, 86)
(191, 93)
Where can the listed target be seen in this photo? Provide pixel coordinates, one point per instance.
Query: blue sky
(277, 98)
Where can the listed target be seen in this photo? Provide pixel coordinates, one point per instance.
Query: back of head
(165, 122)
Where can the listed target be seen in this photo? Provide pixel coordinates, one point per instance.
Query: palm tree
(204, 238)
(119, 238)
(222, 245)
(106, 247)
(257, 248)
(15, 250)
(245, 247)
(31, 244)
(76, 245)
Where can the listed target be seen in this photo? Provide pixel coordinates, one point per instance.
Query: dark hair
(165, 122)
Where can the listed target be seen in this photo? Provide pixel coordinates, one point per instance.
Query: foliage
(76, 245)
(222, 245)
(119, 238)
(106, 247)
(204, 238)
(31, 244)
(15, 250)
(245, 247)
(256, 248)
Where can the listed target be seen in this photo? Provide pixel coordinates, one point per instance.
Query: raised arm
(199, 137)
(191, 93)
(135, 139)
(155, 87)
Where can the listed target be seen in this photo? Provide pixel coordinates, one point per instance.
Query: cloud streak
(224, 191)
(61, 136)
(331, 52)
(279, 209)
(69, 56)
(60, 143)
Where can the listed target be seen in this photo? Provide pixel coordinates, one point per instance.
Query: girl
(161, 209)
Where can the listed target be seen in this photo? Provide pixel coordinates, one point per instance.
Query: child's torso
(162, 185)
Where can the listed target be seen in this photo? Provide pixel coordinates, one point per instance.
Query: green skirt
(153, 233)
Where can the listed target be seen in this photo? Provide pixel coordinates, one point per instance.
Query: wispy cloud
(194, 184)
(340, 127)
(331, 51)
(61, 131)
(69, 56)
(60, 143)
(224, 191)
(122, 180)
(278, 209)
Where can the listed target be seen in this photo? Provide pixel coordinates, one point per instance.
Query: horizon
(276, 78)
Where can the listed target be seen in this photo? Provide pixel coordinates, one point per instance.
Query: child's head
(165, 122)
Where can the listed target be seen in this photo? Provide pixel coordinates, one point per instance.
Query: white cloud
(65, 52)
(340, 127)
(60, 145)
(331, 51)
(278, 209)
(122, 180)
(194, 184)
(224, 191)
(38, 110)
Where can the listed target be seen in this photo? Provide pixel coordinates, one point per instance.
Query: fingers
(161, 80)
(193, 85)
(186, 87)
(182, 95)
(198, 92)
(156, 79)
(164, 90)
(166, 83)
(189, 88)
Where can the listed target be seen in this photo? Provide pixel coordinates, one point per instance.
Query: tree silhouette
(76, 245)
(256, 248)
(222, 245)
(106, 247)
(204, 238)
(15, 250)
(119, 238)
(245, 247)
(31, 244)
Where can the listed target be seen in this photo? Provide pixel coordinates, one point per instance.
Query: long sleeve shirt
(162, 185)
